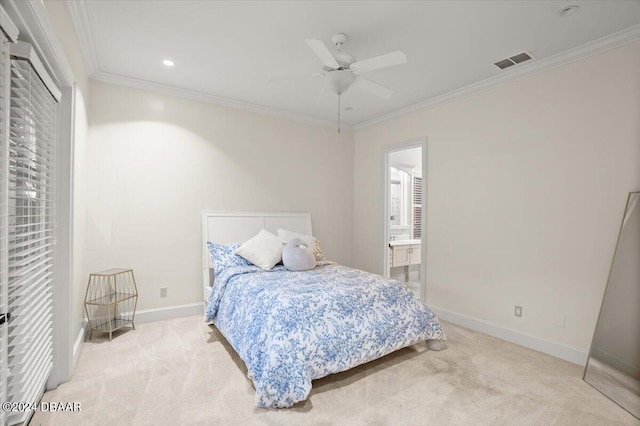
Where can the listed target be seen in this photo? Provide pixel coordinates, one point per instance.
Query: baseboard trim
(159, 314)
(557, 350)
(79, 343)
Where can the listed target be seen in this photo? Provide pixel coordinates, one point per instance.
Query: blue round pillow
(297, 256)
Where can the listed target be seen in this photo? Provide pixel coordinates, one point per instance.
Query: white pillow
(264, 250)
(309, 240)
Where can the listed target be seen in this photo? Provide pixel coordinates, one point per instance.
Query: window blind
(4, 211)
(417, 207)
(31, 241)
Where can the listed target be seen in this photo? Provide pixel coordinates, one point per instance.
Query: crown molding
(82, 25)
(528, 69)
(212, 99)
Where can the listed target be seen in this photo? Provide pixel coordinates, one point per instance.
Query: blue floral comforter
(293, 327)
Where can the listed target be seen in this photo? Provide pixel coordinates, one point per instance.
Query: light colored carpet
(183, 372)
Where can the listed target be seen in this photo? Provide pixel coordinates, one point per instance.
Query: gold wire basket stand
(110, 301)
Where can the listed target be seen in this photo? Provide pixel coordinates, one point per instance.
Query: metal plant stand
(111, 300)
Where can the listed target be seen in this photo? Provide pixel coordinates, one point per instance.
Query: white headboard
(238, 227)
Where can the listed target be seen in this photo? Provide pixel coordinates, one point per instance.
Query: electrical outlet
(163, 292)
(518, 311)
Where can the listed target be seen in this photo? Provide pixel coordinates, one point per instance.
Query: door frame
(384, 238)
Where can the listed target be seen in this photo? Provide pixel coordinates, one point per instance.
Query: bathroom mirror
(613, 367)
(398, 197)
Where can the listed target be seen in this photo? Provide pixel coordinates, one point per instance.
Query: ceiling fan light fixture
(340, 80)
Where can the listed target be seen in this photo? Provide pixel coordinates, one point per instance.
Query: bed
(290, 328)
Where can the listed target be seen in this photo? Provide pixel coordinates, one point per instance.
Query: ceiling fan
(341, 71)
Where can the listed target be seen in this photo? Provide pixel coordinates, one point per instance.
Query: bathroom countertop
(411, 242)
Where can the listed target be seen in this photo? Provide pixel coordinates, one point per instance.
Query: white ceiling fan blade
(295, 77)
(320, 49)
(387, 60)
(374, 88)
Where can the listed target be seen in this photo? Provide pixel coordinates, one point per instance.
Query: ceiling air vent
(515, 59)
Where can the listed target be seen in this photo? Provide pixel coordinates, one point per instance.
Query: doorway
(405, 172)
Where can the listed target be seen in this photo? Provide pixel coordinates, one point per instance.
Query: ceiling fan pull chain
(338, 112)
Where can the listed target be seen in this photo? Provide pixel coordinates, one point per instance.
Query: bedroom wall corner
(526, 187)
(155, 162)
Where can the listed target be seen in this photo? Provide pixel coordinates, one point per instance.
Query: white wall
(526, 187)
(155, 162)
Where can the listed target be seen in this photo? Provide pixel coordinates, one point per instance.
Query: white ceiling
(228, 51)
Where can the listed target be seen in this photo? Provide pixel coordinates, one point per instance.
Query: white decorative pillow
(297, 256)
(264, 250)
(310, 240)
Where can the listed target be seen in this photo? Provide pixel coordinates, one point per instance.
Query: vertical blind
(31, 238)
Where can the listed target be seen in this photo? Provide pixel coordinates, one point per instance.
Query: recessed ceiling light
(568, 11)
(168, 62)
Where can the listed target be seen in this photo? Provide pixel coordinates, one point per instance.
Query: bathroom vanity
(405, 253)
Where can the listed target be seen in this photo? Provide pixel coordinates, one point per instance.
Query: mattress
(293, 327)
